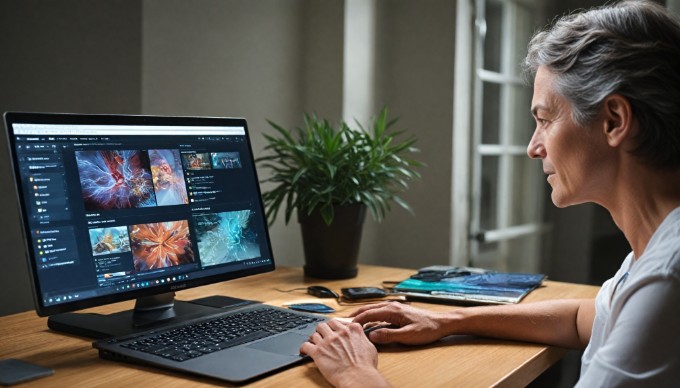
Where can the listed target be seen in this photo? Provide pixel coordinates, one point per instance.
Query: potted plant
(330, 176)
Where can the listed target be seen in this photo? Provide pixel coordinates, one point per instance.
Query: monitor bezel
(11, 118)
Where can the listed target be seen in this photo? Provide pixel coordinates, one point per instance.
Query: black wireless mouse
(369, 329)
(321, 292)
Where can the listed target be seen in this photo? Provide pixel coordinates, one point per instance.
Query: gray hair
(631, 48)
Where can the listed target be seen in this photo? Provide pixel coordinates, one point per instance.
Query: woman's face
(574, 158)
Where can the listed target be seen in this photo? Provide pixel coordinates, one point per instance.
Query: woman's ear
(618, 119)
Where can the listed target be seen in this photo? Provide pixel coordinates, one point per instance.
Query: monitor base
(143, 317)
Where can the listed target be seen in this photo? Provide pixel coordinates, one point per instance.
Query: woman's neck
(639, 204)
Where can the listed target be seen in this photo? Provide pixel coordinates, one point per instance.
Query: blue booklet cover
(469, 285)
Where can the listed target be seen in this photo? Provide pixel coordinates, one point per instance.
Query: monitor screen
(117, 207)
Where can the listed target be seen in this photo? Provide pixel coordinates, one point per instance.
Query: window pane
(522, 123)
(523, 28)
(527, 193)
(492, 51)
(510, 191)
(521, 248)
(491, 113)
(489, 201)
(488, 257)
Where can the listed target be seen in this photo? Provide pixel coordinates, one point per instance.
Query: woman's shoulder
(662, 255)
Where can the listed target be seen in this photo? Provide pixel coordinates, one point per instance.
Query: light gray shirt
(636, 331)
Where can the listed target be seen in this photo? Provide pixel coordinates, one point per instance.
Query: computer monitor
(120, 207)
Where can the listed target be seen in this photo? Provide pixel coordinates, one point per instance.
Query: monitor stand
(149, 312)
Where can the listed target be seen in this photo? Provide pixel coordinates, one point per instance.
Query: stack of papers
(468, 285)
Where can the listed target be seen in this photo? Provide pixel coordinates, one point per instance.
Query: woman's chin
(561, 200)
(558, 199)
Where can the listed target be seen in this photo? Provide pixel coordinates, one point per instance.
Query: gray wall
(60, 56)
(415, 80)
(289, 62)
(267, 59)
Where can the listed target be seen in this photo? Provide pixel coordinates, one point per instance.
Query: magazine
(468, 285)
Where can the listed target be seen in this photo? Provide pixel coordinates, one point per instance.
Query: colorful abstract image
(160, 245)
(225, 160)
(168, 177)
(196, 161)
(109, 240)
(115, 179)
(226, 237)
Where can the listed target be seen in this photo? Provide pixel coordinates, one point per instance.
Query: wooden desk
(456, 361)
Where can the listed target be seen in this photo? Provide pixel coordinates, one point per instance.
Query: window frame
(472, 244)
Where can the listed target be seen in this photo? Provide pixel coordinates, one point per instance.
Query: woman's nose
(536, 149)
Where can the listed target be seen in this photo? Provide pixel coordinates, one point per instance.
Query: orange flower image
(160, 245)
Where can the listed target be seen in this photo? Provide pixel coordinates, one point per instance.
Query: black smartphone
(363, 292)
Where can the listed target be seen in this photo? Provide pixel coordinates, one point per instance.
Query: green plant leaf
(327, 214)
(321, 165)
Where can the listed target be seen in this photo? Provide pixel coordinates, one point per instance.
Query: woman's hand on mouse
(416, 326)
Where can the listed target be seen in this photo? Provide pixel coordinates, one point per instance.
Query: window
(504, 188)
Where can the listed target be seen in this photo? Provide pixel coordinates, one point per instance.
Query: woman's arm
(566, 323)
(346, 358)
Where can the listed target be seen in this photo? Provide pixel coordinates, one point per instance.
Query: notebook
(468, 285)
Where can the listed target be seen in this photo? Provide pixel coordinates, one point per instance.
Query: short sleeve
(643, 345)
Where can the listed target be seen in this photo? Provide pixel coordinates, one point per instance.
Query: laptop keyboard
(198, 339)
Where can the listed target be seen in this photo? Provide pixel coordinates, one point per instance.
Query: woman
(607, 110)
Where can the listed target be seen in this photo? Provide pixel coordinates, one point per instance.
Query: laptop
(237, 364)
(121, 207)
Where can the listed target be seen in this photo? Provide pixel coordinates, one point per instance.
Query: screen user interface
(114, 209)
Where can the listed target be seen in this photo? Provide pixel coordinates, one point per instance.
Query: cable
(291, 290)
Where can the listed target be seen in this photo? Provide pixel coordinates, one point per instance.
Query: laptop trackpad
(288, 344)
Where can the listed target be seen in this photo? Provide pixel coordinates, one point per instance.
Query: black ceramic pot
(331, 251)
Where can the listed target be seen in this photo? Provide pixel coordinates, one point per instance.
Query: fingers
(379, 312)
(346, 329)
(383, 336)
(337, 325)
(315, 338)
(344, 321)
(326, 329)
(384, 314)
(308, 348)
(323, 329)
(368, 307)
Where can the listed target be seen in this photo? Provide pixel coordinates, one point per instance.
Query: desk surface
(455, 361)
